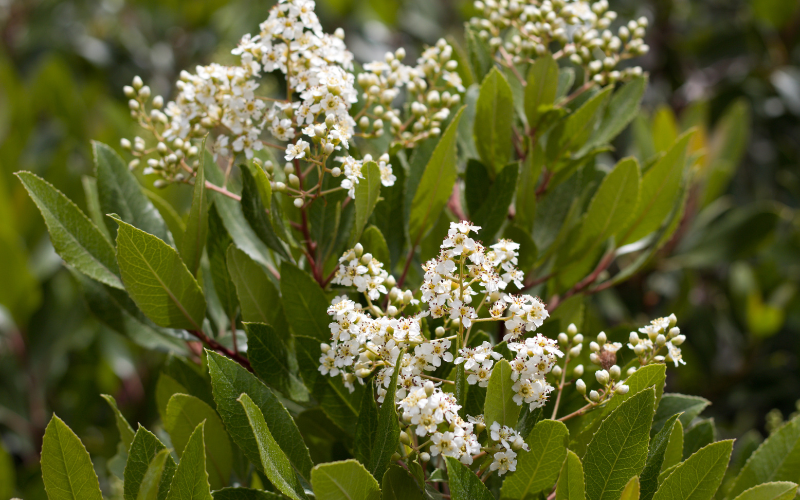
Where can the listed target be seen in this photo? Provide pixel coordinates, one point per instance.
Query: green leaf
(125, 430)
(461, 388)
(674, 452)
(476, 182)
(673, 403)
(191, 479)
(305, 303)
(699, 435)
(389, 212)
(611, 206)
(464, 484)
(244, 494)
(500, 405)
(538, 468)
(229, 380)
(368, 190)
(631, 491)
(151, 483)
(398, 484)
(527, 420)
(570, 483)
(655, 459)
(193, 240)
(699, 476)
(174, 222)
(93, 205)
(258, 296)
(386, 439)
(494, 210)
(346, 480)
(218, 242)
(622, 109)
(190, 376)
(541, 87)
(659, 193)
(230, 211)
(366, 426)
(435, 185)
(572, 132)
(373, 242)
(8, 474)
(494, 117)
(121, 194)
(274, 462)
(256, 215)
(777, 459)
(142, 452)
(158, 281)
(184, 414)
(76, 239)
(273, 359)
(783, 490)
(66, 467)
(618, 450)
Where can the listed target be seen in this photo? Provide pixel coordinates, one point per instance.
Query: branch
(216, 346)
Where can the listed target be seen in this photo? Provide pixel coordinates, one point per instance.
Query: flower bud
(594, 396)
(633, 338)
(631, 370)
(294, 181)
(601, 376)
(298, 202)
(639, 349)
(556, 371)
(359, 250)
(673, 320)
(678, 340)
(621, 389)
(439, 332)
(391, 311)
(366, 258)
(128, 91)
(593, 346)
(562, 338)
(390, 281)
(404, 438)
(577, 339)
(133, 104)
(395, 456)
(429, 387)
(425, 456)
(336, 171)
(580, 386)
(572, 329)
(614, 372)
(363, 372)
(125, 144)
(594, 358)
(408, 296)
(601, 338)
(674, 332)
(279, 186)
(661, 339)
(577, 371)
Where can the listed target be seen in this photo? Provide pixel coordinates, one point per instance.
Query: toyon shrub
(379, 286)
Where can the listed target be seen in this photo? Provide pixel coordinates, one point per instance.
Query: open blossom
(660, 333)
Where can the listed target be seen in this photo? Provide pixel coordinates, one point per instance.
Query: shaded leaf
(631, 491)
(494, 117)
(699, 476)
(258, 295)
(655, 459)
(398, 484)
(500, 406)
(256, 215)
(770, 491)
(151, 483)
(143, 450)
(346, 480)
(538, 469)
(464, 484)
(191, 479)
(570, 483)
(66, 467)
(194, 239)
(274, 361)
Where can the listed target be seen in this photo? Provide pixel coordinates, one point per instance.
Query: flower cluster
(660, 333)
(581, 28)
(509, 442)
(433, 87)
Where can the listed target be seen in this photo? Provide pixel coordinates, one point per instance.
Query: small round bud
(144, 92)
(439, 331)
(391, 311)
(133, 104)
(601, 338)
(580, 386)
(674, 332)
(615, 371)
(576, 351)
(594, 358)
(390, 281)
(562, 338)
(288, 168)
(125, 144)
(621, 389)
(279, 186)
(601, 376)
(556, 371)
(336, 171)
(359, 250)
(594, 396)
(408, 296)
(633, 339)
(639, 349)
(298, 202)
(593, 346)
(425, 456)
(294, 181)
(128, 91)
(577, 371)
(395, 456)
(400, 53)
(572, 329)
(158, 102)
(404, 438)
(631, 370)
(161, 148)
(429, 387)
(328, 148)
(366, 258)
(363, 372)
(577, 339)
(661, 339)
(680, 339)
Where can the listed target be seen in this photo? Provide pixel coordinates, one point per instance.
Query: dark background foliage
(731, 275)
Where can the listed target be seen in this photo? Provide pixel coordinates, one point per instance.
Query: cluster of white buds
(660, 333)
(526, 29)
(603, 352)
(433, 86)
(570, 342)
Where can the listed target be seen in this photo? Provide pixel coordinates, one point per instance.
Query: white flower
(504, 461)
(297, 150)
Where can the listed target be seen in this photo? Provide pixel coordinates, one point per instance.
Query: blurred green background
(731, 275)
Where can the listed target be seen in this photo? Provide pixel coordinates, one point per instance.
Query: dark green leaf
(218, 242)
(623, 108)
(689, 406)
(398, 484)
(373, 241)
(244, 494)
(570, 483)
(273, 359)
(388, 214)
(655, 459)
(257, 294)
(191, 479)
(366, 427)
(494, 210)
(464, 484)
(541, 87)
(698, 436)
(143, 451)
(386, 439)
(367, 192)
(121, 194)
(305, 303)
(256, 215)
(193, 240)
(538, 468)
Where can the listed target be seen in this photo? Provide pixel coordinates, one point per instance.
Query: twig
(223, 191)
(213, 344)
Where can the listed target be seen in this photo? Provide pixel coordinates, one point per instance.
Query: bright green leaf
(570, 483)
(386, 439)
(373, 242)
(541, 87)
(538, 468)
(674, 452)
(66, 467)
(689, 406)
(500, 406)
(258, 295)
(368, 190)
(494, 117)
(366, 426)
(621, 110)
(305, 304)
(194, 239)
(631, 491)
(191, 479)
(346, 480)
(783, 490)
(618, 450)
(699, 476)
